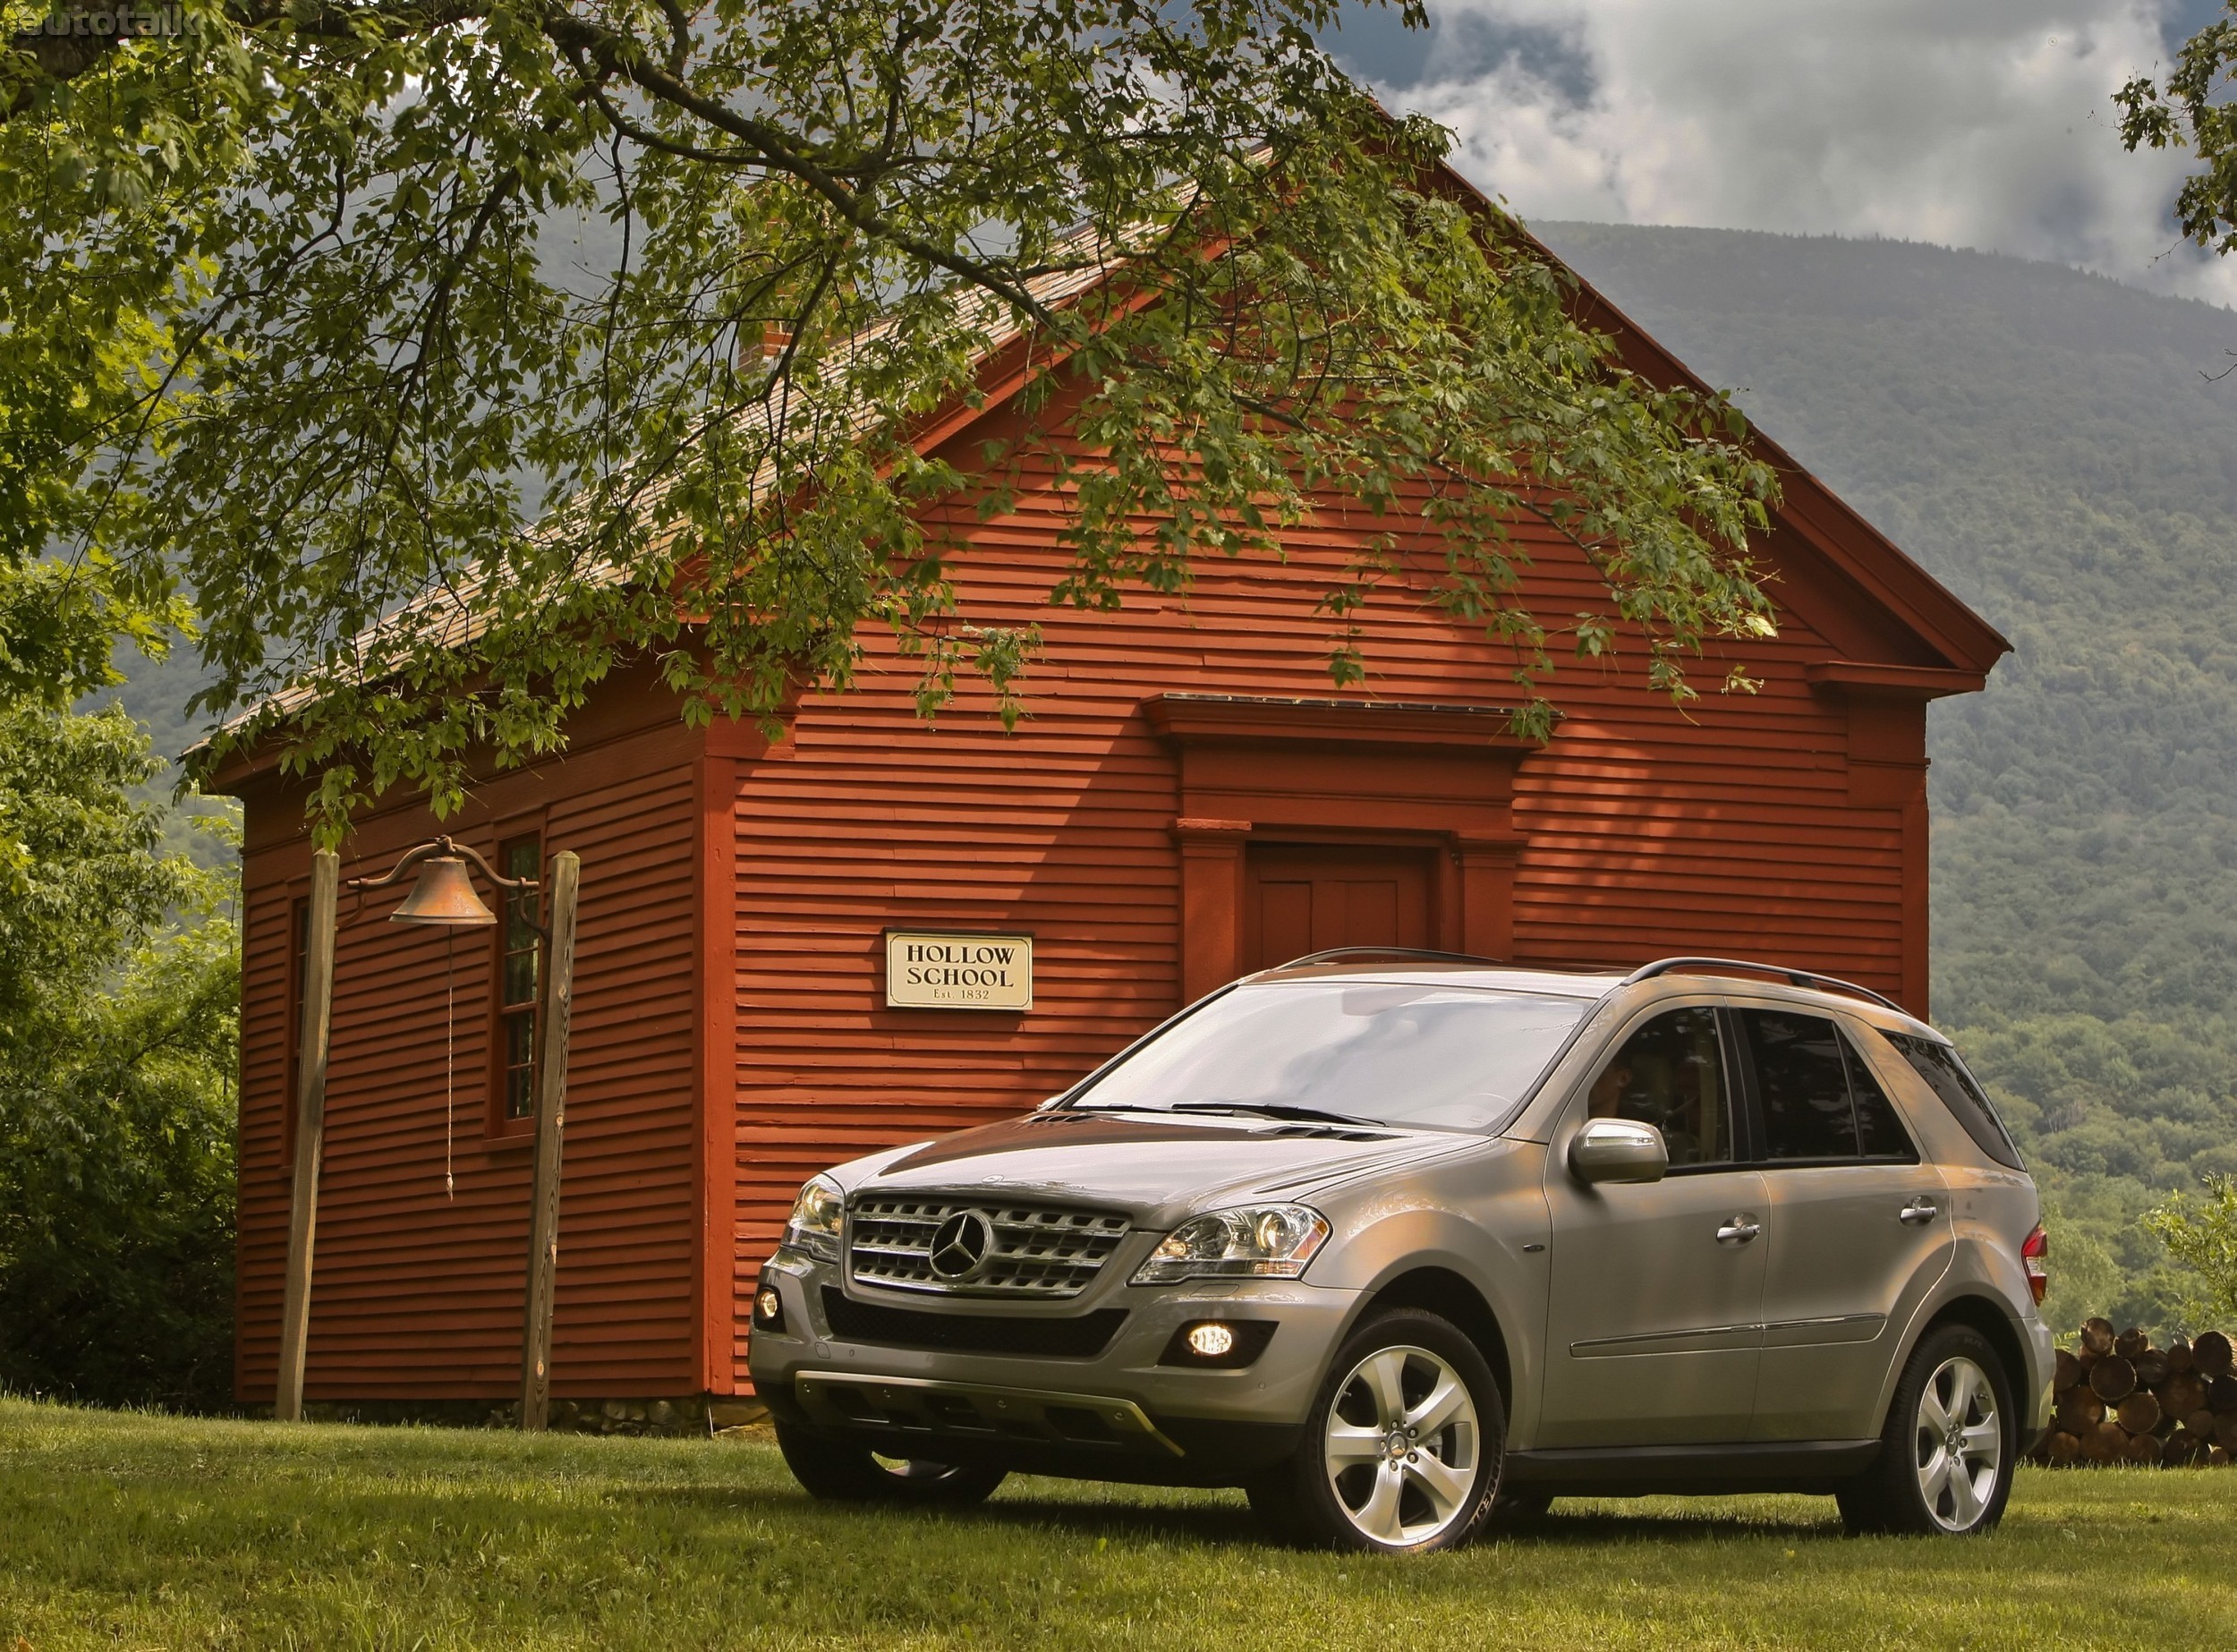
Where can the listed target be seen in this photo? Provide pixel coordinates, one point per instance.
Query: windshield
(1450, 1058)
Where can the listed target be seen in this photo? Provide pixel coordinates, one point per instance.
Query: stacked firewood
(2122, 1400)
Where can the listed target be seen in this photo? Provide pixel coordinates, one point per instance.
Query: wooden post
(311, 1110)
(551, 1119)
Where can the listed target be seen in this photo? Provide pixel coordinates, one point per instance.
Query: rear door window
(1880, 1133)
(1802, 1086)
(1945, 1074)
(1819, 1102)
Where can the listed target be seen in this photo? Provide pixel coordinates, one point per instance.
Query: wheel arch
(1979, 1314)
(1450, 1295)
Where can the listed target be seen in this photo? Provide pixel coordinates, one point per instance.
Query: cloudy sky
(1983, 123)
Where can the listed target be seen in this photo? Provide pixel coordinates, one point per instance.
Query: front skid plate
(847, 1399)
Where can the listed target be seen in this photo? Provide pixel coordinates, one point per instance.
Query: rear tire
(838, 1469)
(1402, 1448)
(1949, 1447)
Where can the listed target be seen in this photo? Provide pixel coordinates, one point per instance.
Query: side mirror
(1618, 1150)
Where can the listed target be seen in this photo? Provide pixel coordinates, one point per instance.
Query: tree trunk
(2131, 1342)
(2138, 1413)
(2178, 1351)
(2141, 1450)
(2151, 1367)
(2182, 1449)
(2112, 1378)
(2200, 1422)
(2066, 1370)
(2210, 1354)
(2096, 1336)
(2079, 1411)
(2220, 1395)
(2182, 1394)
(2105, 1442)
(2066, 1449)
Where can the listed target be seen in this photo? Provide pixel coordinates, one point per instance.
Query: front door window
(1670, 1074)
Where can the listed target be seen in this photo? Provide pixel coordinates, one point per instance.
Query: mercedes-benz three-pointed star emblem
(960, 1244)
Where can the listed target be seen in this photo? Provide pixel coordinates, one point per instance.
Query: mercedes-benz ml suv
(1402, 1243)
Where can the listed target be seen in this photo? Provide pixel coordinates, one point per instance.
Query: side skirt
(1814, 1466)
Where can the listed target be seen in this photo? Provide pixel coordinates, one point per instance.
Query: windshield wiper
(1276, 1110)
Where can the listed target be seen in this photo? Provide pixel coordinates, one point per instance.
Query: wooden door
(1308, 898)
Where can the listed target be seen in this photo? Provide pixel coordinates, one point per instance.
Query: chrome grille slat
(1040, 1251)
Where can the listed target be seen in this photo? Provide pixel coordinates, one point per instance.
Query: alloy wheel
(1959, 1443)
(1402, 1446)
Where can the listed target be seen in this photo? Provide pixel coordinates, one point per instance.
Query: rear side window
(1819, 1102)
(1938, 1064)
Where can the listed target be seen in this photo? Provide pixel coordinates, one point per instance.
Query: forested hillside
(2052, 445)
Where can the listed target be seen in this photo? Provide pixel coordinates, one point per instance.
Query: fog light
(1217, 1344)
(1212, 1339)
(769, 1308)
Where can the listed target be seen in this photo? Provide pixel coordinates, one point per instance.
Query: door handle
(1919, 1212)
(1739, 1231)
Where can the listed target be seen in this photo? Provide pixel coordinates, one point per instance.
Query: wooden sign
(927, 969)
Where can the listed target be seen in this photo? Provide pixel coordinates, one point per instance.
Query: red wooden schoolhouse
(1188, 800)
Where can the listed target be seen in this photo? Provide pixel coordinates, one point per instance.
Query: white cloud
(1984, 124)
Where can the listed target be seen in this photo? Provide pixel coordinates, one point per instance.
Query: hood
(1156, 1166)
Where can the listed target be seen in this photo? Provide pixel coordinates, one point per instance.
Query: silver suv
(1400, 1243)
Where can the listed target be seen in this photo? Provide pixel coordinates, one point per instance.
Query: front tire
(1951, 1443)
(1402, 1447)
(838, 1469)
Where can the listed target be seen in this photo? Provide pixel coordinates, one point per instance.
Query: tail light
(2033, 1255)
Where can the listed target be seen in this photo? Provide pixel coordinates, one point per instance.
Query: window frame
(497, 1123)
(1740, 1113)
(2006, 1154)
(1851, 1052)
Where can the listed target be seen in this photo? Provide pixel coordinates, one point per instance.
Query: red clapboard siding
(417, 1295)
(1728, 828)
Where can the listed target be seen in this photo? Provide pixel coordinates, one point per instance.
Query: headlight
(1251, 1241)
(816, 1215)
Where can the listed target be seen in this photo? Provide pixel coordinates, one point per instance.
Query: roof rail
(1336, 954)
(1795, 977)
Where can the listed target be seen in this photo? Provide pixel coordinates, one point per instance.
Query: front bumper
(1115, 1414)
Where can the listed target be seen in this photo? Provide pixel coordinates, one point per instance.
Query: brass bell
(445, 894)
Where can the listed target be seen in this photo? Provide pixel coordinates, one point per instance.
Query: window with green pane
(517, 970)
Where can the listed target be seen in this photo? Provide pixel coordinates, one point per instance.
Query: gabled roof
(1960, 646)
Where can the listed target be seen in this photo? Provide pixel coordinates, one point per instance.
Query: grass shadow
(1226, 1524)
(1582, 1526)
(1047, 1506)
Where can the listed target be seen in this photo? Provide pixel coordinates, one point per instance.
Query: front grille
(1082, 1338)
(1039, 1251)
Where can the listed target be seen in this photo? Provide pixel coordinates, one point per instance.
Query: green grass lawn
(127, 1531)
